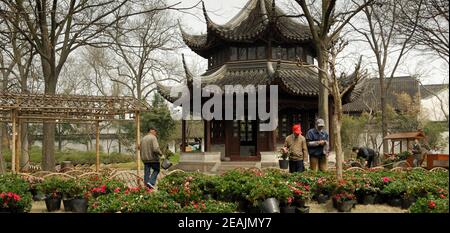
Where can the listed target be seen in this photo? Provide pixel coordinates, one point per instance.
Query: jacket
(312, 138)
(150, 151)
(297, 147)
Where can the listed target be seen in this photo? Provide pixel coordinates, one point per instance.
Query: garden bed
(246, 190)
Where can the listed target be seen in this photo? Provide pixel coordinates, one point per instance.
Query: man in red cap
(295, 146)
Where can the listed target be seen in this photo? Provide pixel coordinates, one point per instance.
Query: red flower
(431, 204)
(16, 197)
(442, 196)
(289, 200)
(103, 188)
(196, 205)
(386, 179)
(116, 190)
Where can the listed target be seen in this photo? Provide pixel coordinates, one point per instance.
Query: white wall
(431, 106)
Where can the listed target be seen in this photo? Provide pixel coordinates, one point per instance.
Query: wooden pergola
(17, 108)
(404, 136)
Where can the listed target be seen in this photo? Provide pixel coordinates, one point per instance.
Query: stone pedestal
(269, 159)
(199, 161)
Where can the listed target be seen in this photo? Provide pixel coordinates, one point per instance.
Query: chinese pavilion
(242, 51)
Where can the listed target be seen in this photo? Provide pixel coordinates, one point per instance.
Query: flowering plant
(9, 200)
(341, 197)
(430, 204)
(53, 187)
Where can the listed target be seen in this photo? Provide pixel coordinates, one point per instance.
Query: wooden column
(14, 144)
(97, 146)
(183, 135)
(207, 136)
(138, 141)
(18, 143)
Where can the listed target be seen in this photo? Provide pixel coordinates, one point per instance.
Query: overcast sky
(220, 11)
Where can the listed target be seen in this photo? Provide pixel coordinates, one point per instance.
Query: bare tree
(55, 29)
(326, 23)
(387, 45)
(140, 47)
(431, 25)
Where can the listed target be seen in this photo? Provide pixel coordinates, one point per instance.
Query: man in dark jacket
(366, 154)
(150, 156)
(317, 140)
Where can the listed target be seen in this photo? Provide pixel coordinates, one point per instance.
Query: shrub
(52, 187)
(14, 193)
(430, 204)
(210, 206)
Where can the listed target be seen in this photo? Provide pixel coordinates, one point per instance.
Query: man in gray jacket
(150, 155)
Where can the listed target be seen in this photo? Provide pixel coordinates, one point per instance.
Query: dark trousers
(370, 162)
(296, 166)
(151, 178)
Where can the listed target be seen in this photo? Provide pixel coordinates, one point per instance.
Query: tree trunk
(24, 149)
(384, 119)
(5, 142)
(337, 122)
(2, 160)
(48, 147)
(323, 91)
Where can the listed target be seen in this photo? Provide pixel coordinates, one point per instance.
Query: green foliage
(430, 204)
(52, 187)
(14, 193)
(158, 117)
(210, 206)
(352, 128)
(433, 132)
(77, 157)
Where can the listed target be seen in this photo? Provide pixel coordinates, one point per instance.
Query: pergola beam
(19, 108)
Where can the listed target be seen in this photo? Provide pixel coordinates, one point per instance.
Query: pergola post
(97, 146)
(138, 141)
(18, 143)
(14, 132)
(183, 135)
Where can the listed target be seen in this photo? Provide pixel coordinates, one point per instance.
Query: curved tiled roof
(293, 79)
(255, 19)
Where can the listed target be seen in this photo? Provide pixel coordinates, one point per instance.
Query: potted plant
(74, 196)
(53, 189)
(265, 194)
(14, 203)
(344, 201)
(395, 191)
(323, 189)
(301, 192)
(283, 162)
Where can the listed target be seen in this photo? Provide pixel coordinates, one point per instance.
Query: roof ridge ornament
(271, 71)
(189, 75)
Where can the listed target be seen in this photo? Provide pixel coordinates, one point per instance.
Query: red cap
(297, 129)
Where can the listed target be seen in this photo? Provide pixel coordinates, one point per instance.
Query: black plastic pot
(288, 209)
(17, 211)
(5, 210)
(335, 204)
(407, 202)
(53, 204)
(395, 202)
(322, 198)
(300, 203)
(284, 164)
(79, 205)
(369, 199)
(303, 210)
(345, 206)
(67, 204)
(270, 205)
